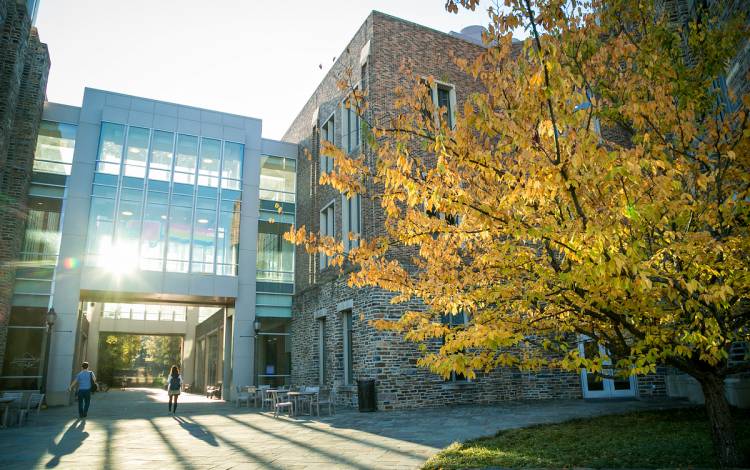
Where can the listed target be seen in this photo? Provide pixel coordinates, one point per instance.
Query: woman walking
(174, 385)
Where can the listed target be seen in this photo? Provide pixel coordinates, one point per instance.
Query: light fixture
(51, 317)
(128, 213)
(202, 221)
(164, 217)
(256, 325)
(207, 160)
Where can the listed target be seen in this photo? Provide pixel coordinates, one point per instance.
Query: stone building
(24, 65)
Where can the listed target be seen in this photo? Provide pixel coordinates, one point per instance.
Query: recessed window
(352, 129)
(352, 219)
(326, 230)
(348, 347)
(327, 134)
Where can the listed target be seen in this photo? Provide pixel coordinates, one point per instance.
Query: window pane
(232, 164)
(161, 156)
(101, 224)
(275, 256)
(186, 158)
(208, 170)
(137, 146)
(204, 241)
(54, 147)
(277, 179)
(111, 142)
(153, 237)
(228, 242)
(128, 230)
(178, 242)
(274, 355)
(42, 238)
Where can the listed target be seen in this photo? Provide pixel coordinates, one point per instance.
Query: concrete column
(188, 346)
(94, 316)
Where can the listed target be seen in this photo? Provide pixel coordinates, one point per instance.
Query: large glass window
(208, 170)
(160, 165)
(274, 352)
(54, 148)
(156, 201)
(327, 133)
(351, 213)
(111, 143)
(275, 256)
(327, 229)
(348, 348)
(42, 238)
(277, 179)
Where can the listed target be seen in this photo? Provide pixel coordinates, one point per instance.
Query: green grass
(654, 439)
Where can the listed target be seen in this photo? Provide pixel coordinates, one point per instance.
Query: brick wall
(24, 68)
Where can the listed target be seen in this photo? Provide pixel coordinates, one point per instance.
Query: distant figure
(85, 381)
(174, 385)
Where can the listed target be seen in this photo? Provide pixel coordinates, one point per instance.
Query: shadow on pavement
(69, 442)
(197, 431)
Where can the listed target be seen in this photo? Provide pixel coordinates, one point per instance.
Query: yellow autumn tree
(597, 189)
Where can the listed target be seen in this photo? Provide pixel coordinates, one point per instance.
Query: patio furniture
(213, 391)
(14, 403)
(5, 405)
(305, 395)
(241, 395)
(326, 397)
(265, 396)
(32, 407)
(281, 401)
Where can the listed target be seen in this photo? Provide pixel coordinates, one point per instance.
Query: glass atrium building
(150, 218)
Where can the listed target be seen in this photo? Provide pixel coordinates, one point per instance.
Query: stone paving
(132, 429)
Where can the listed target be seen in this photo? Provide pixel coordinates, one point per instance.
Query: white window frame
(327, 228)
(351, 222)
(451, 101)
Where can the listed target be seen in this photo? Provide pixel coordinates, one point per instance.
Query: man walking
(85, 380)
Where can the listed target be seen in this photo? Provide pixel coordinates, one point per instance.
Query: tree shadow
(197, 431)
(68, 443)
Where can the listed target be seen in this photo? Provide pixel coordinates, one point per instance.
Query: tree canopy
(598, 186)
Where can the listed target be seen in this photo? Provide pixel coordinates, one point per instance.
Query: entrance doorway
(596, 387)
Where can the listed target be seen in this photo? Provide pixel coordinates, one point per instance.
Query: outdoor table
(295, 396)
(5, 404)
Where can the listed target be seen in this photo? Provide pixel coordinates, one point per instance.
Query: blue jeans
(84, 399)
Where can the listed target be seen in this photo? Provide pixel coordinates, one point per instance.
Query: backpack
(94, 385)
(174, 383)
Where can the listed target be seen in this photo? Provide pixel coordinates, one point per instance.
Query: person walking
(174, 385)
(86, 381)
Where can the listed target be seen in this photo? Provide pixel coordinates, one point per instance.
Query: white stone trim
(319, 313)
(345, 305)
(364, 54)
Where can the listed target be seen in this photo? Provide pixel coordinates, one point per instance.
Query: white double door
(594, 387)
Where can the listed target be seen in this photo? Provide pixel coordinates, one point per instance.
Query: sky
(247, 57)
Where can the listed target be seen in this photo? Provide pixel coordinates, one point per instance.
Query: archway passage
(132, 360)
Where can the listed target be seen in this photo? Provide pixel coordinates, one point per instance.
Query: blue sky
(246, 57)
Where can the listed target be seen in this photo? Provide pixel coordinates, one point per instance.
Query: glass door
(594, 387)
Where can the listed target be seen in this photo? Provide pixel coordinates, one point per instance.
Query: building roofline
(170, 103)
(427, 28)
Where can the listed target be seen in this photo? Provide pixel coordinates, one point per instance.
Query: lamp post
(256, 327)
(50, 319)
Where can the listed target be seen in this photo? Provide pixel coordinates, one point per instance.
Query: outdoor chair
(308, 399)
(325, 397)
(265, 397)
(282, 403)
(213, 391)
(15, 406)
(241, 396)
(32, 407)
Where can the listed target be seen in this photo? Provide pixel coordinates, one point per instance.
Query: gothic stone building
(333, 343)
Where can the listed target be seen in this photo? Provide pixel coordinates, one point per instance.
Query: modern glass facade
(32, 291)
(163, 201)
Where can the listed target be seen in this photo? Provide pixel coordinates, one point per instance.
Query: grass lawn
(654, 439)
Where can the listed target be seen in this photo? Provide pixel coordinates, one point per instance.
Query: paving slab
(131, 428)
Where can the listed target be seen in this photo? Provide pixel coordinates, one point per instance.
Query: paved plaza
(132, 429)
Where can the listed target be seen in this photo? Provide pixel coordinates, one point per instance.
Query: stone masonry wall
(24, 67)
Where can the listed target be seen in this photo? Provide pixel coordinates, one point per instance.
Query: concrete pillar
(94, 316)
(188, 346)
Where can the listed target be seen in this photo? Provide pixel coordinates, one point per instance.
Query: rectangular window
(278, 177)
(162, 150)
(351, 215)
(178, 241)
(101, 229)
(455, 321)
(204, 241)
(352, 134)
(444, 97)
(322, 357)
(327, 134)
(210, 158)
(326, 230)
(42, 238)
(275, 256)
(231, 165)
(154, 237)
(111, 145)
(348, 348)
(137, 152)
(186, 159)
(54, 148)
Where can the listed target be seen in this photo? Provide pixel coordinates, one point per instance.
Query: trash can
(366, 395)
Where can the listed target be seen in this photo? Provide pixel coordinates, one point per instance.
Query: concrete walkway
(131, 429)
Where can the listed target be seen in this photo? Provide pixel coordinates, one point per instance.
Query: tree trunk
(722, 428)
